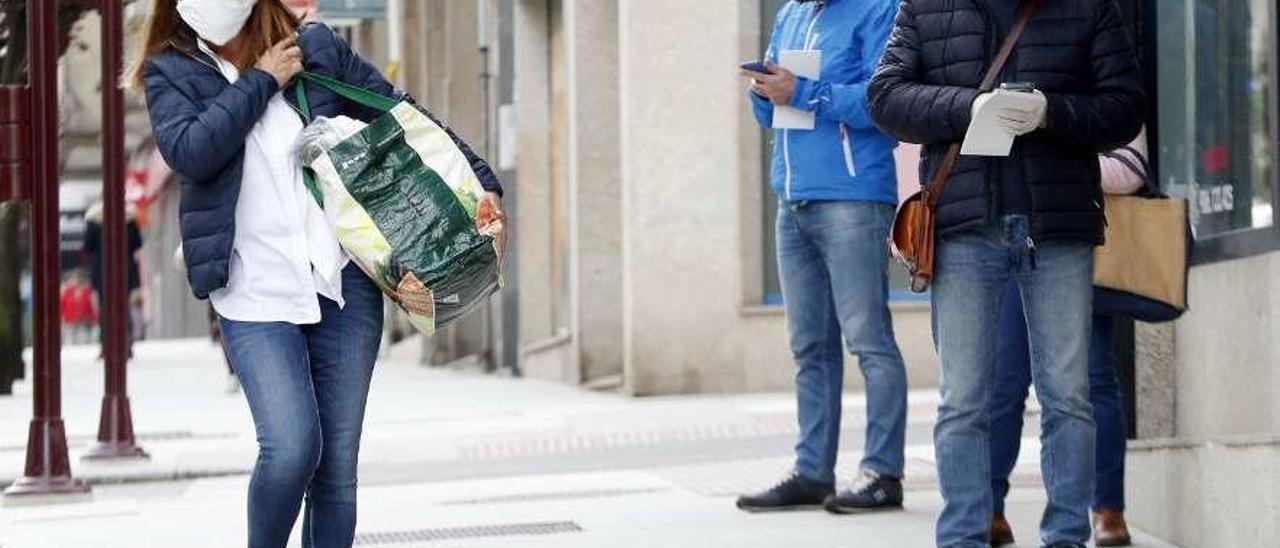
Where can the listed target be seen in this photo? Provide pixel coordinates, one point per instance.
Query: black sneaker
(794, 493)
(869, 492)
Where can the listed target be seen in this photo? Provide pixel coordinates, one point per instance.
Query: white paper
(804, 64)
(986, 137)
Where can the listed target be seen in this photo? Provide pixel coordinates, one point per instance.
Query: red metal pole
(115, 427)
(14, 142)
(48, 470)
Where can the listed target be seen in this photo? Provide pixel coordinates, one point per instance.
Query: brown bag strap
(939, 182)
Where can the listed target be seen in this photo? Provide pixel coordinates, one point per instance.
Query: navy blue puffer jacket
(201, 121)
(1078, 52)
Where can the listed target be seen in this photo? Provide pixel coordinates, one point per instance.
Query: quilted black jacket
(201, 122)
(1078, 52)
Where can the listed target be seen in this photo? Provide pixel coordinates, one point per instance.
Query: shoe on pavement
(871, 491)
(794, 493)
(1001, 531)
(1110, 529)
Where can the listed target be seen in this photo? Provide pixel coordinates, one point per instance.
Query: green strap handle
(342, 89)
(361, 96)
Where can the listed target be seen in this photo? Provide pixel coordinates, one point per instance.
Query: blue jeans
(833, 261)
(1055, 279)
(1013, 376)
(307, 386)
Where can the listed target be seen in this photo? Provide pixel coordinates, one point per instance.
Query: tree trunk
(11, 365)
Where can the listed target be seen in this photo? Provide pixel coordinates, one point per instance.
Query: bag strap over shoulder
(361, 96)
(342, 89)
(934, 191)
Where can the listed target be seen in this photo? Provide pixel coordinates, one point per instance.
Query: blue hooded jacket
(845, 157)
(200, 123)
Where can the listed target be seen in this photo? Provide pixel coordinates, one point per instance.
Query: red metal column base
(115, 451)
(115, 432)
(46, 485)
(48, 470)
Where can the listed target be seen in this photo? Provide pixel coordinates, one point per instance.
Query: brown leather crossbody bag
(913, 228)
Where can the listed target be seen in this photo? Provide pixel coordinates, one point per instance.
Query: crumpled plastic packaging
(322, 134)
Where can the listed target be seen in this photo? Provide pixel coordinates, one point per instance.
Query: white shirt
(285, 251)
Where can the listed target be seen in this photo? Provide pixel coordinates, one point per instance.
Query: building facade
(1205, 470)
(646, 256)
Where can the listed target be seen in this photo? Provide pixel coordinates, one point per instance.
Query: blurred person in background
(1124, 171)
(24, 289)
(837, 191)
(1031, 218)
(137, 315)
(78, 309)
(93, 253)
(300, 323)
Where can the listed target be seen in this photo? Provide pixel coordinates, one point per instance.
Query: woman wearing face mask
(300, 324)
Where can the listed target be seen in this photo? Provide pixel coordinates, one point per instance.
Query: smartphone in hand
(1024, 87)
(756, 66)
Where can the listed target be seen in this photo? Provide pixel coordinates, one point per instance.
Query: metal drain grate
(554, 495)
(383, 538)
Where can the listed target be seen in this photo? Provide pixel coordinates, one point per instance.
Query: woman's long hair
(270, 22)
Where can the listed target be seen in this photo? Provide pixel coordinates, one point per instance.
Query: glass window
(1217, 134)
(772, 286)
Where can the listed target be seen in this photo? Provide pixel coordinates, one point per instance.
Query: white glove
(1017, 112)
(1023, 113)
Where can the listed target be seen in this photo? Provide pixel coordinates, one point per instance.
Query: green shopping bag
(403, 199)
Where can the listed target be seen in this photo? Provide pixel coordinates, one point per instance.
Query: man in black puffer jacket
(1033, 217)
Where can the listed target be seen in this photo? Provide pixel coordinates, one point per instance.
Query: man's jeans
(307, 386)
(833, 261)
(1013, 376)
(1055, 279)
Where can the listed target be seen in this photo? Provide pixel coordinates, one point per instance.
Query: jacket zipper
(198, 59)
(845, 141)
(809, 40)
(993, 41)
(206, 63)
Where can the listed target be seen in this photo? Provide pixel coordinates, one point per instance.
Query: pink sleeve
(1119, 178)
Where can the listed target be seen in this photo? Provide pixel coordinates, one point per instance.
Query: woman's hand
(491, 220)
(283, 60)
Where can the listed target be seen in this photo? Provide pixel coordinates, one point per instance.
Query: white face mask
(217, 21)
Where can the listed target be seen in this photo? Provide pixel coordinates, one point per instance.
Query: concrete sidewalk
(641, 508)
(193, 428)
(456, 458)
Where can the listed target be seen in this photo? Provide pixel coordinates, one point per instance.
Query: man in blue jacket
(838, 191)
